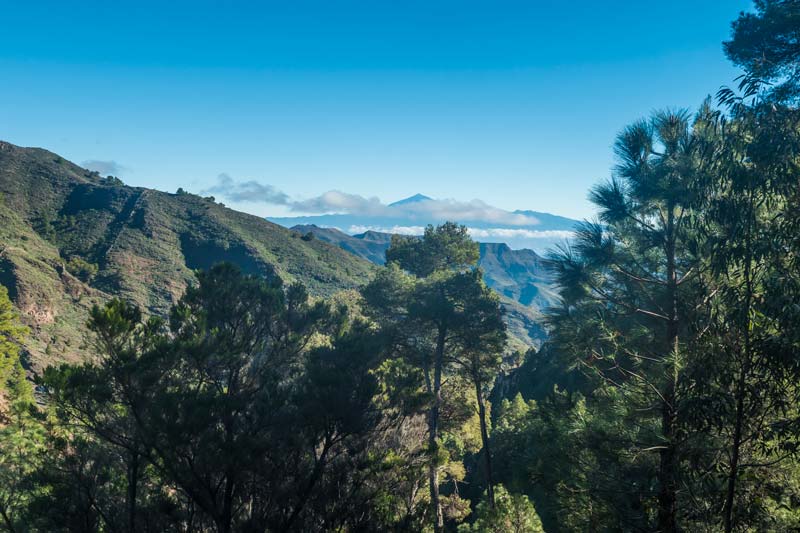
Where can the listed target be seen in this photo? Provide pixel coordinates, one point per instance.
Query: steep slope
(370, 245)
(518, 276)
(70, 238)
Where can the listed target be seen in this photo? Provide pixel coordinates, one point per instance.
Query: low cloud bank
(479, 234)
(246, 191)
(421, 210)
(105, 168)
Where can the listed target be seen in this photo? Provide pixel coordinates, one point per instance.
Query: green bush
(512, 513)
(81, 268)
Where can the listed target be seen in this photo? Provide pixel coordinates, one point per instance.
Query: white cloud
(340, 202)
(423, 211)
(514, 233)
(479, 234)
(247, 191)
(399, 230)
(476, 210)
(105, 168)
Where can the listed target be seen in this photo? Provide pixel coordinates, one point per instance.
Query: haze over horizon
(514, 105)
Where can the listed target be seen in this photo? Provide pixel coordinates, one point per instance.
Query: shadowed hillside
(71, 238)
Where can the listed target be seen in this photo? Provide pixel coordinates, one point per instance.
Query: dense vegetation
(665, 399)
(255, 408)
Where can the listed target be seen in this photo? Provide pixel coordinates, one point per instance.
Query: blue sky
(512, 103)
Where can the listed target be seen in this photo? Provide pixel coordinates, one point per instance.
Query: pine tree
(21, 431)
(431, 302)
(625, 283)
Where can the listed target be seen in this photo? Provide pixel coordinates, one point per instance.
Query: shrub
(513, 513)
(81, 268)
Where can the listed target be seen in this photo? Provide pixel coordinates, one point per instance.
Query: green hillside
(70, 238)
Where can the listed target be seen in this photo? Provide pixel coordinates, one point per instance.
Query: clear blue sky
(513, 103)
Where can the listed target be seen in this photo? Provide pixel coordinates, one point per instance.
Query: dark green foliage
(765, 44)
(628, 298)
(250, 409)
(682, 328)
(446, 247)
(744, 374)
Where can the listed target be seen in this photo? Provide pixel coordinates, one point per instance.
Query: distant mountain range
(518, 276)
(518, 229)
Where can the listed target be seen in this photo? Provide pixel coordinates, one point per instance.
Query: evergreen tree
(21, 433)
(626, 285)
(764, 43)
(745, 379)
(431, 302)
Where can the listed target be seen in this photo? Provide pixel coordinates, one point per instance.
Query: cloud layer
(340, 202)
(247, 191)
(105, 168)
(422, 211)
(353, 213)
(479, 234)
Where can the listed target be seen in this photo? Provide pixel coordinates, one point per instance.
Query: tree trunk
(7, 521)
(226, 519)
(433, 433)
(667, 501)
(133, 481)
(667, 497)
(733, 472)
(487, 454)
(734, 466)
(316, 474)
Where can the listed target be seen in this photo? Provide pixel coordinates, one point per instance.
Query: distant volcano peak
(411, 200)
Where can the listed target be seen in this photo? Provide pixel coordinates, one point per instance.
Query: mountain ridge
(71, 239)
